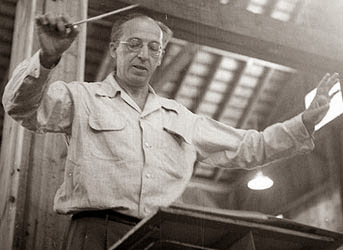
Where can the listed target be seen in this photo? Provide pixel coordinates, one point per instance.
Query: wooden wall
(31, 167)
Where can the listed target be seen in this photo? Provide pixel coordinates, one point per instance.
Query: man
(131, 151)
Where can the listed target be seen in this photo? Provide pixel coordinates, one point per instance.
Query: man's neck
(139, 94)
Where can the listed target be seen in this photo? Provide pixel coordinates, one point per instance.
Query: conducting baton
(104, 15)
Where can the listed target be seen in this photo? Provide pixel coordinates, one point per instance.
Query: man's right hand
(55, 35)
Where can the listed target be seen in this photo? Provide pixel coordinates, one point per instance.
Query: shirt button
(147, 145)
(148, 175)
(146, 210)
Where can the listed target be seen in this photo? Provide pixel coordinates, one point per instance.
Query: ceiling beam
(243, 121)
(174, 67)
(240, 31)
(207, 81)
(297, 11)
(230, 89)
(268, 10)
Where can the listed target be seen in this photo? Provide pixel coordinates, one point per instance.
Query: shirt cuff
(35, 69)
(298, 130)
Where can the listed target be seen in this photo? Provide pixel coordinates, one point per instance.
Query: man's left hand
(321, 102)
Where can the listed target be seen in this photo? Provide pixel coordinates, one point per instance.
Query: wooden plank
(237, 30)
(32, 166)
(45, 229)
(177, 64)
(340, 169)
(291, 98)
(268, 9)
(207, 81)
(230, 89)
(7, 8)
(16, 144)
(243, 121)
(105, 66)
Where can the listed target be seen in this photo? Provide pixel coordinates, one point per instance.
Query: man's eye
(135, 43)
(154, 46)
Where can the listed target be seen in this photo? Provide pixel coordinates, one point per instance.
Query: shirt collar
(110, 88)
(169, 104)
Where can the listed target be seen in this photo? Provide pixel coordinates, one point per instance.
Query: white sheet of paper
(336, 105)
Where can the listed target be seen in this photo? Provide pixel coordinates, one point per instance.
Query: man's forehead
(142, 25)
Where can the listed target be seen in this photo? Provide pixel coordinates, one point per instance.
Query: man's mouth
(140, 67)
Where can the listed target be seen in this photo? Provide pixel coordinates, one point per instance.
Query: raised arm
(27, 91)
(225, 146)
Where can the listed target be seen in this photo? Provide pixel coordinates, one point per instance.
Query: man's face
(136, 66)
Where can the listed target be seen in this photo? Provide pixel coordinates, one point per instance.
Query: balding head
(117, 28)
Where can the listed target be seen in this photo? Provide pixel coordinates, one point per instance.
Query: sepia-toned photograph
(171, 124)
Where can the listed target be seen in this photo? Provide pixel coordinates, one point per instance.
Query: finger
(321, 88)
(38, 20)
(334, 93)
(323, 80)
(61, 25)
(41, 20)
(42, 24)
(66, 19)
(333, 80)
(326, 86)
(51, 21)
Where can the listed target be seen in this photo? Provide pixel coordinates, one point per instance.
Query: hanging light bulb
(260, 182)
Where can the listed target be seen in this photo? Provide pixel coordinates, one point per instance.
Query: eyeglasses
(136, 44)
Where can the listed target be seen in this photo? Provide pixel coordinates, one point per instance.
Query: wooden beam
(243, 121)
(237, 30)
(230, 89)
(242, 4)
(268, 10)
(207, 81)
(340, 168)
(31, 166)
(7, 8)
(105, 66)
(16, 143)
(177, 64)
(296, 11)
(290, 98)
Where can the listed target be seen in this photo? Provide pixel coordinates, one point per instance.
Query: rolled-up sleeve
(35, 104)
(225, 146)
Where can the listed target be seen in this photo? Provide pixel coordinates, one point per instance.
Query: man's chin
(139, 80)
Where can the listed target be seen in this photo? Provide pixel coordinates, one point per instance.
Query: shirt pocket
(176, 150)
(179, 136)
(102, 122)
(107, 135)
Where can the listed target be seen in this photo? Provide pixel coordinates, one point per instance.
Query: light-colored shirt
(131, 160)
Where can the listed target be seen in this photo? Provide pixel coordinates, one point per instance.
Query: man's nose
(144, 52)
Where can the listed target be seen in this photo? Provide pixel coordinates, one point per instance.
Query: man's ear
(113, 49)
(161, 58)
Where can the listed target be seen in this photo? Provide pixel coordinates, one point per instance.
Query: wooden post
(31, 166)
